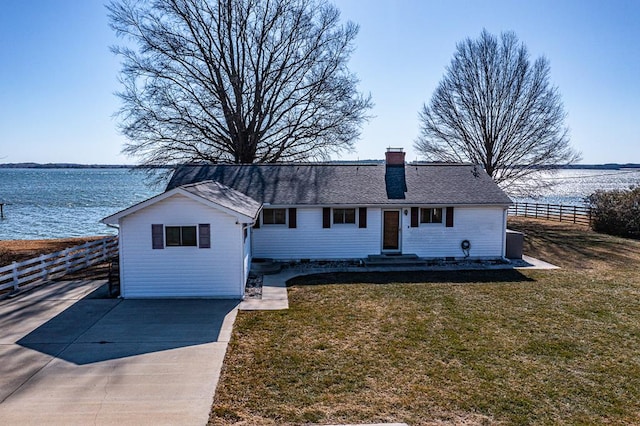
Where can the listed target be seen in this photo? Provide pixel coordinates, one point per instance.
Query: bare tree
(236, 80)
(494, 108)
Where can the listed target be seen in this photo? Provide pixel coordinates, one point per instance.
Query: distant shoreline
(608, 166)
(71, 166)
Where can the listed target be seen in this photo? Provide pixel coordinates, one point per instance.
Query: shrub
(617, 212)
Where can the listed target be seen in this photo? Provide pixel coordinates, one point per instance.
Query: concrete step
(394, 260)
(265, 266)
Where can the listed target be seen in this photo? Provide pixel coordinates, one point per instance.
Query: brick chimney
(394, 157)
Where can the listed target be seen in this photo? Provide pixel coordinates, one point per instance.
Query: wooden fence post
(15, 275)
(43, 266)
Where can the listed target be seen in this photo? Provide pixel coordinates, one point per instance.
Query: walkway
(274, 287)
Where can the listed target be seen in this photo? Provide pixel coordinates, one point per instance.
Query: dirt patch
(21, 250)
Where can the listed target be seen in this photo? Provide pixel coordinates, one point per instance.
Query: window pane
(189, 236)
(267, 216)
(280, 216)
(344, 216)
(425, 215)
(274, 216)
(349, 215)
(431, 215)
(173, 235)
(338, 215)
(436, 216)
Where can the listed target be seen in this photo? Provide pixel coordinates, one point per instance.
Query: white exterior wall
(246, 256)
(483, 226)
(181, 271)
(309, 240)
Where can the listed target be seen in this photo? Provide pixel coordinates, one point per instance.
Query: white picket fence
(32, 272)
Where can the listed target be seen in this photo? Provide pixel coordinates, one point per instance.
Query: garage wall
(181, 271)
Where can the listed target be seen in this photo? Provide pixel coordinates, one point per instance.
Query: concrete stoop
(394, 260)
(265, 266)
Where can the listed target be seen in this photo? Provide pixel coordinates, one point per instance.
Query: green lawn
(537, 347)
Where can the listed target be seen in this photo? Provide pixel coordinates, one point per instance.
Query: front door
(391, 230)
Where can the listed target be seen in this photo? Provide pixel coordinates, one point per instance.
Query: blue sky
(57, 75)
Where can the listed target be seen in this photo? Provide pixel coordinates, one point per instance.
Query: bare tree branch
(236, 80)
(494, 108)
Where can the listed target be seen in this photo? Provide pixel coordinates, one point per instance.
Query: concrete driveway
(69, 355)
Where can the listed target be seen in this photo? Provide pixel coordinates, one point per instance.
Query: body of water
(60, 203)
(571, 187)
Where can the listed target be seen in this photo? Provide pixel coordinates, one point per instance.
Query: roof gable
(212, 194)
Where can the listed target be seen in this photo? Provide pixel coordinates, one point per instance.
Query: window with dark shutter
(180, 236)
(449, 219)
(431, 215)
(362, 217)
(204, 235)
(274, 216)
(326, 217)
(415, 211)
(293, 219)
(157, 237)
(344, 216)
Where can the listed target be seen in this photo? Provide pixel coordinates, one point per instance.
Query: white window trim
(180, 226)
(432, 224)
(355, 223)
(286, 217)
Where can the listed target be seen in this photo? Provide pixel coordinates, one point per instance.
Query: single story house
(197, 238)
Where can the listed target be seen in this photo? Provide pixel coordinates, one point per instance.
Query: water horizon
(43, 203)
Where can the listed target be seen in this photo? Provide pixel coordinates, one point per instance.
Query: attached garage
(192, 241)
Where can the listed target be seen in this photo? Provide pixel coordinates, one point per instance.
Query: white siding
(482, 226)
(181, 271)
(246, 256)
(309, 240)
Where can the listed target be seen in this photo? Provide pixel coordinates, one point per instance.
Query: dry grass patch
(488, 347)
(574, 246)
(20, 250)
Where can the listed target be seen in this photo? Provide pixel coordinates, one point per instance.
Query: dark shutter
(449, 221)
(326, 217)
(362, 219)
(204, 235)
(415, 211)
(293, 219)
(157, 237)
(257, 224)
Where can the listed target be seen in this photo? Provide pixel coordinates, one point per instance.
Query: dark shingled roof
(351, 184)
(223, 195)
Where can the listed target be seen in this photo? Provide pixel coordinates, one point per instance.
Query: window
(180, 236)
(431, 215)
(344, 216)
(274, 216)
